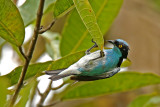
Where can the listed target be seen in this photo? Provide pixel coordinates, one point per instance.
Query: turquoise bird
(95, 65)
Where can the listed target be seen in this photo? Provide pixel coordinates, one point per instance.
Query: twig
(58, 86)
(47, 28)
(39, 92)
(30, 52)
(23, 54)
(44, 95)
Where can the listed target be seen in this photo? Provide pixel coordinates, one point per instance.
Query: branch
(49, 27)
(58, 86)
(44, 95)
(21, 50)
(30, 52)
(39, 92)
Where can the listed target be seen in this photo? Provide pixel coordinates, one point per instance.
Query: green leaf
(50, 8)
(62, 7)
(2, 43)
(11, 24)
(3, 91)
(75, 36)
(89, 19)
(25, 94)
(66, 61)
(36, 69)
(119, 83)
(33, 69)
(29, 10)
(150, 100)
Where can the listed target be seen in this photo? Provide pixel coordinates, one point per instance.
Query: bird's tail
(56, 74)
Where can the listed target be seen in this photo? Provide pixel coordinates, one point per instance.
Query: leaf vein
(11, 34)
(86, 32)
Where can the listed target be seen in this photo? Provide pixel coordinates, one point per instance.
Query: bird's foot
(102, 54)
(95, 45)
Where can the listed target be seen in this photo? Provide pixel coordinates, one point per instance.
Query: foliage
(119, 83)
(82, 39)
(8, 30)
(149, 100)
(85, 19)
(3, 91)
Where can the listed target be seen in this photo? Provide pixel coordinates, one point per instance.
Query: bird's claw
(102, 54)
(88, 50)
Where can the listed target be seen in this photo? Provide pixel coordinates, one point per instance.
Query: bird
(96, 65)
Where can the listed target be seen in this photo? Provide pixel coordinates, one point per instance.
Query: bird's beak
(111, 41)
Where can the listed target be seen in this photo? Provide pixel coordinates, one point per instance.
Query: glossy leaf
(89, 19)
(36, 69)
(33, 69)
(75, 36)
(3, 91)
(150, 100)
(29, 10)
(119, 83)
(62, 7)
(11, 24)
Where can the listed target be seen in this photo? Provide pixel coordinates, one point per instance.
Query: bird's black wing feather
(57, 77)
(53, 72)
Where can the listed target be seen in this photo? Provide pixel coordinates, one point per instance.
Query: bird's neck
(116, 50)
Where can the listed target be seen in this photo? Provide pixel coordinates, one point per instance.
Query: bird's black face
(122, 45)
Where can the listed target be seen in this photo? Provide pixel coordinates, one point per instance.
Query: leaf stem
(30, 52)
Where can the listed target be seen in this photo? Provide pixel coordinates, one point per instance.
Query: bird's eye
(120, 46)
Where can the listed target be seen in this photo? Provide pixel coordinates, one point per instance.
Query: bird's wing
(90, 61)
(52, 72)
(93, 78)
(111, 73)
(87, 58)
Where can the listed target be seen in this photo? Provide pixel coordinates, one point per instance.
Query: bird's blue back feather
(105, 64)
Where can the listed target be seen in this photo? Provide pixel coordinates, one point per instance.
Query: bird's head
(122, 45)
